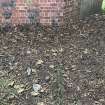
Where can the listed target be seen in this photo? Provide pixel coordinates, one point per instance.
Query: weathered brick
(48, 8)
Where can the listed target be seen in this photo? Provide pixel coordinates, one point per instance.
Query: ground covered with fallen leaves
(30, 58)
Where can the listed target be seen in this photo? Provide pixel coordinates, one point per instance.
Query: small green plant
(58, 86)
(5, 91)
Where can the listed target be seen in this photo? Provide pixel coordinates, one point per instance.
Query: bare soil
(80, 48)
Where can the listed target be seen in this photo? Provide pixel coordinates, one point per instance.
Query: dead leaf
(29, 71)
(40, 103)
(61, 50)
(55, 54)
(11, 97)
(19, 86)
(33, 93)
(53, 50)
(39, 62)
(11, 83)
(86, 51)
(20, 90)
(34, 71)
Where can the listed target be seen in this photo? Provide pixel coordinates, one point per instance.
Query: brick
(48, 8)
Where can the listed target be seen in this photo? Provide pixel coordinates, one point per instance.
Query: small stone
(40, 103)
(101, 100)
(55, 54)
(85, 94)
(28, 52)
(42, 90)
(61, 34)
(97, 53)
(66, 68)
(29, 70)
(47, 78)
(36, 87)
(78, 88)
(44, 38)
(5, 47)
(51, 66)
(16, 64)
(73, 66)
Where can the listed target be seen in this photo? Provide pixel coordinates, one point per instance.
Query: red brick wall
(47, 8)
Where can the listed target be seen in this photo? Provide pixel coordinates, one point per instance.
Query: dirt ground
(30, 57)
